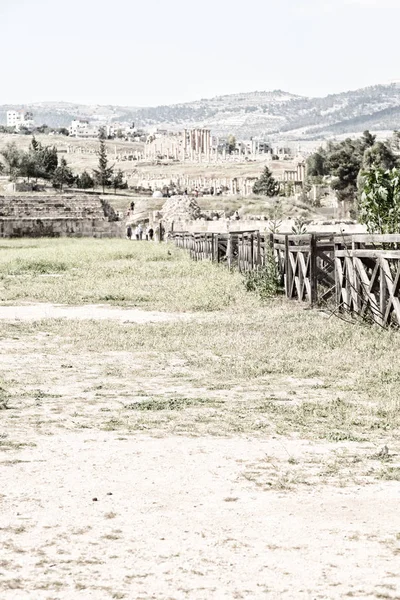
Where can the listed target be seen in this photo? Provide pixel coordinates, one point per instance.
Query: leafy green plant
(300, 226)
(379, 207)
(275, 215)
(266, 280)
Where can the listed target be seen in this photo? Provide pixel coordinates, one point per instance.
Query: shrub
(266, 281)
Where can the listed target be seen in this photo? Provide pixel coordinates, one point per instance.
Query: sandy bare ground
(37, 312)
(176, 518)
(188, 505)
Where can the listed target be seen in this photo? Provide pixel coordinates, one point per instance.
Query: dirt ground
(176, 518)
(99, 500)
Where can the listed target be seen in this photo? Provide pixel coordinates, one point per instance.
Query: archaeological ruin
(61, 215)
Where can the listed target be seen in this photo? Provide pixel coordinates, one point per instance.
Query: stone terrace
(80, 215)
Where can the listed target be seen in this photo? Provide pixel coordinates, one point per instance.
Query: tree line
(42, 162)
(366, 173)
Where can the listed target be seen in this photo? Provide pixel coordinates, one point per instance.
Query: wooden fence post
(229, 250)
(382, 292)
(313, 270)
(287, 267)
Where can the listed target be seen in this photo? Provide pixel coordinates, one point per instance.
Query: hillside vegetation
(248, 114)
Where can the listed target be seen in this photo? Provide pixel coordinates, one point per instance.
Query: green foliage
(344, 163)
(12, 158)
(266, 185)
(85, 181)
(266, 280)
(63, 176)
(103, 174)
(379, 207)
(44, 159)
(38, 161)
(118, 182)
(317, 164)
(231, 144)
(367, 140)
(300, 226)
(344, 160)
(380, 156)
(28, 166)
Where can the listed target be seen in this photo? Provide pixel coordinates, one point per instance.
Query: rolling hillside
(248, 114)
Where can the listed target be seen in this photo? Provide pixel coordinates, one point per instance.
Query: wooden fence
(355, 273)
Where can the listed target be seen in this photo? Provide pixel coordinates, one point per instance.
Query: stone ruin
(61, 215)
(180, 208)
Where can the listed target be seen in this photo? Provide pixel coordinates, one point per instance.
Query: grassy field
(235, 341)
(245, 428)
(120, 272)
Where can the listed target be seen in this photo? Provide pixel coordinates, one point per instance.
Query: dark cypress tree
(103, 174)
(266, 185)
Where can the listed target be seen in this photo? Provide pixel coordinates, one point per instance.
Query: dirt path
(36, 312)
(176, 518)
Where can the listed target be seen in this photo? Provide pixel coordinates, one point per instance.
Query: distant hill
(255, 114)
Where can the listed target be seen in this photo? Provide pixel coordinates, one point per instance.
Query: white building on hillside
(81, 128)
(20, 118)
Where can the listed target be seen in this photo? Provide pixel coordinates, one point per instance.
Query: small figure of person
(129, 232)
(132, 206)
(140, 231)
(137, 232)
(150, 233)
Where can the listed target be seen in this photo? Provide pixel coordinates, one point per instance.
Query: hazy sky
(152, 52)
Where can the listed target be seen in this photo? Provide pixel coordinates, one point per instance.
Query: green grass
(277, 366)
(141, 274)
(243, 366)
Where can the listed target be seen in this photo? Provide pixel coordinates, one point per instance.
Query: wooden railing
(357, 273)
(368, 277)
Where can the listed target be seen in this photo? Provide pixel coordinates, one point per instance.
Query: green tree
(48, 161)
(231, 143)
(85, 181)
(317, 164)
(12, 157)
(45, 158)
(103, 174)
(344, 164)
(118, 182)
(367, 140)
(379, 207)
(380, 156)
(266, 185)
(62, 176)
(35, 145)
(28, 166)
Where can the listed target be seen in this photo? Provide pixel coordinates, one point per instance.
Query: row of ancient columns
(236, 185)
(197, 141)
